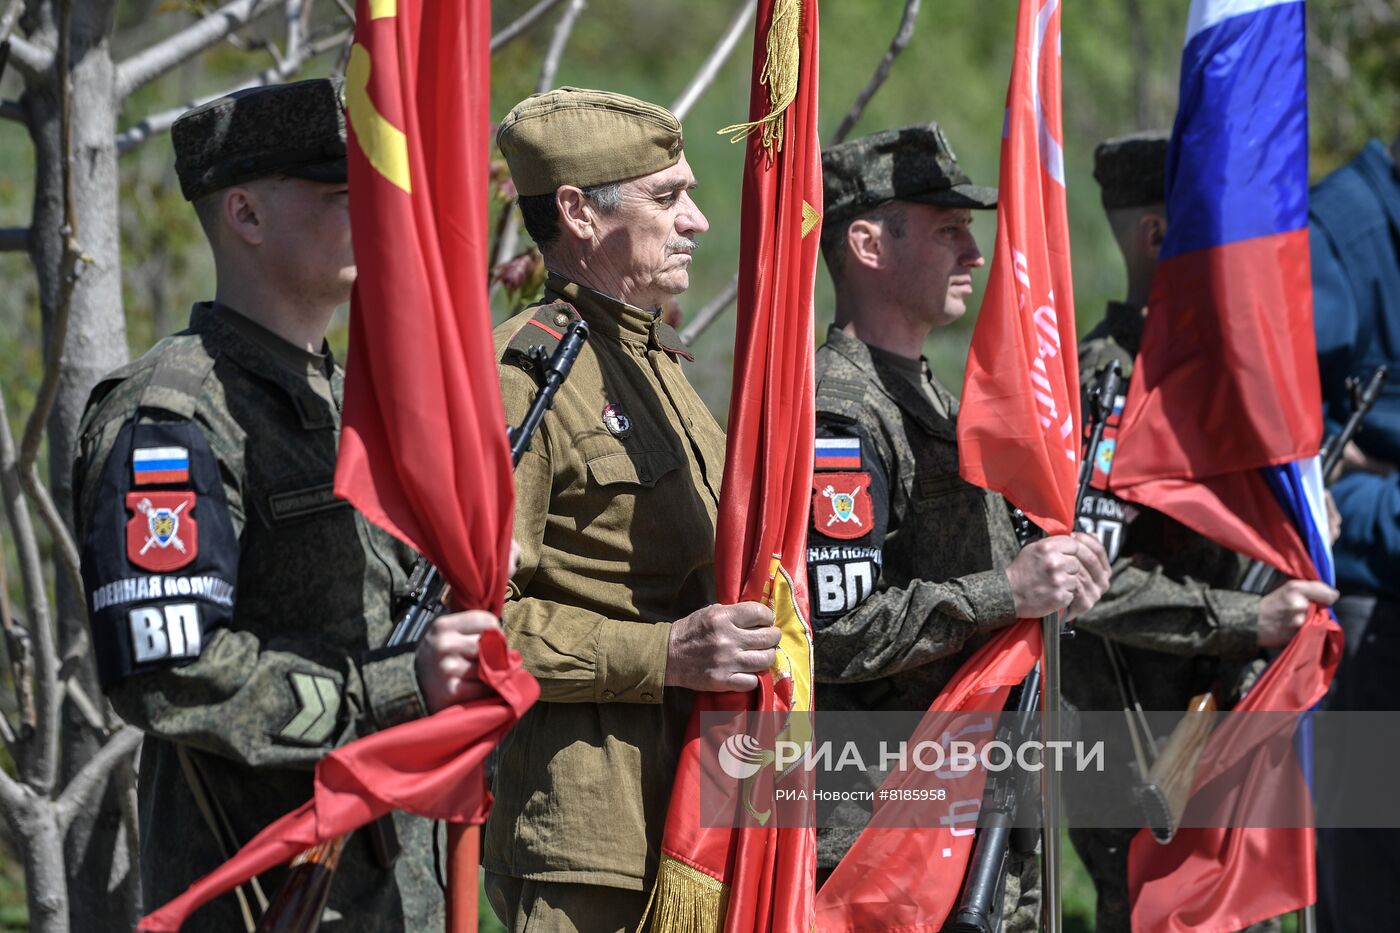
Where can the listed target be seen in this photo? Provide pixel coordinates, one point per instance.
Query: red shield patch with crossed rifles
(841, 506)
(161, 535)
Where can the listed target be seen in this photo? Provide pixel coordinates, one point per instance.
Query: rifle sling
(222, 829)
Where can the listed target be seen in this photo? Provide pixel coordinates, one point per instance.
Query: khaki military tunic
(1172, 614)
(935, 556)
(615, 513)
(251, 637)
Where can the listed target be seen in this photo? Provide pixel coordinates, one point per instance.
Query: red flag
(904, 875)
(423, 451)
(1018, 426)
(765, 875)
(430, 767)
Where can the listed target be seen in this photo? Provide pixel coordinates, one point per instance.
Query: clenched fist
(1282, 612)
(722, 648)
(446, 658)
(1061, 572)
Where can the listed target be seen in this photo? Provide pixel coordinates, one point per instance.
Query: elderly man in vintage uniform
(613, 604)
(1172, 624)
(238, 609)
(902, 598)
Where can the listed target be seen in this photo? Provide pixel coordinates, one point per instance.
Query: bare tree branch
(157, 123)
(14, 799)
(710, 312)
(29, 59)
(14, 239)
(562, 30)
(21, 656)
(882, 72)
(9, 18)
(14, 110)
(152, 62)
(709, 69)
(518, 28)
(41, 762)
(90, 781)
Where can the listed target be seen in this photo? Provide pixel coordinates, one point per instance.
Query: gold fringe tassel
(779, 73)
(684, 901)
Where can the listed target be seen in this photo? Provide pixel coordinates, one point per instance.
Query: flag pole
(1051, 626)
(463, 857)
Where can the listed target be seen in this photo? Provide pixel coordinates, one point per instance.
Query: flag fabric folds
(1018, 434)
(761, 878)
(430, 767)
(423, 453)
(901, 875)
(1018, 428)
(1221, 428)
(423, 450)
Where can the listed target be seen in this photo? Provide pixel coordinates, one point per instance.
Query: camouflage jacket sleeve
(174, 656)
(578, 654)
(866, 626)
(1147, 608)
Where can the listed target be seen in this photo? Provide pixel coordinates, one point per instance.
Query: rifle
(302, 899)
(980, 904)
(1163, 796)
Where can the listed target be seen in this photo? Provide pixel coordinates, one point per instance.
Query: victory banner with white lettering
(1018, 429)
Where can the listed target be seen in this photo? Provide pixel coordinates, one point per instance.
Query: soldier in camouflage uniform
(612, 608)
(1171, 621)
(238, 608)
(921, 567)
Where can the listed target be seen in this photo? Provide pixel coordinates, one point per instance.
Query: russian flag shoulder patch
(837, 453)
(152, 466)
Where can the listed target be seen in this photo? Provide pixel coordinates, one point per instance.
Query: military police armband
(160, 561)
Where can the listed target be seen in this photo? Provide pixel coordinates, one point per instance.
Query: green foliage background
(1120, 63)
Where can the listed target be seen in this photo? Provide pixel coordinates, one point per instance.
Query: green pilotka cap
(576, 136)
(909, 163)
(293, 129)
(1132, 170)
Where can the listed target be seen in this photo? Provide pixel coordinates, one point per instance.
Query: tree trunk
(103, 891)
(42, 844)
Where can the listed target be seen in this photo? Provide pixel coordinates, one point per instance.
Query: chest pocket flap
(638, 467)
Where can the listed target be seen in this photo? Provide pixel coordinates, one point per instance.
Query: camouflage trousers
(1104, 853)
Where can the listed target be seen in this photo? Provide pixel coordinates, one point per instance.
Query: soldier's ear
(865, 242)
(1154, 233)
(243, 216)
(576, 216)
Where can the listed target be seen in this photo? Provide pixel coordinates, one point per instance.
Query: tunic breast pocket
(631, 467)
(629, 497)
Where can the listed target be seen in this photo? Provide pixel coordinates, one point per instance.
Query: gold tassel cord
(779, 73)
(684, 900)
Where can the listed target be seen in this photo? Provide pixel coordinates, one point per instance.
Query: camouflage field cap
(1132, 170)
(574, 136)
(910, 163)
(281, 129)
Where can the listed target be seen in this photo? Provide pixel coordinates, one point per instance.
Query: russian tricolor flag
(1223, 422)
(837, 453)
(159, 465)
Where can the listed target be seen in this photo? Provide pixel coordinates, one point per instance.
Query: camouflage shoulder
(841, 387)
(1098, 350)
(170, 378)
(537, 326)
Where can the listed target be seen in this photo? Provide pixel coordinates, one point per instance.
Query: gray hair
(541, 213)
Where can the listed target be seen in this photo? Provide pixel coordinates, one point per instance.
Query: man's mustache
(680, 244)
